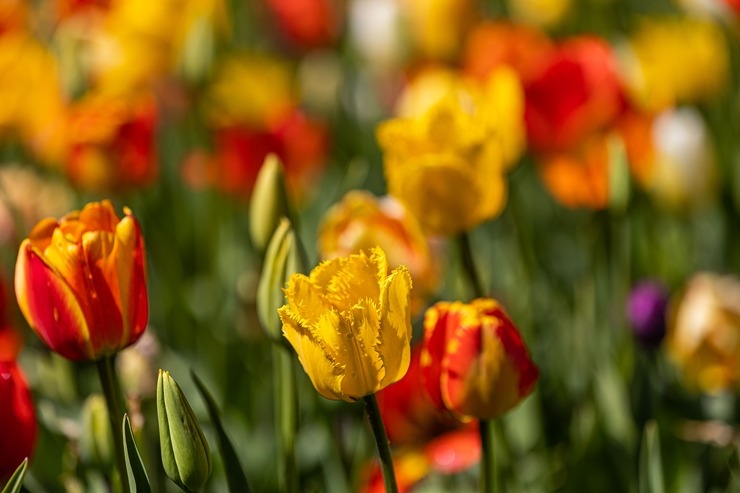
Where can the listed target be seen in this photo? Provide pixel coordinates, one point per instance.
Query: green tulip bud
(185, 454)
(284, 257)
(269, 202)
(96, 442)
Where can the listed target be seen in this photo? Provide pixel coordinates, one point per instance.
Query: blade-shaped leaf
(15, 483)
(651, 464)
(137, 477)
(235, 477)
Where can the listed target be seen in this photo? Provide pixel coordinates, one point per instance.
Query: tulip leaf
(235, 477)
(15, 483)
(137, 477)
(651, 466)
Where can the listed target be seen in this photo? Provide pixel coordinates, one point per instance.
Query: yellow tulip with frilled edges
(448, 165)
(350, 323)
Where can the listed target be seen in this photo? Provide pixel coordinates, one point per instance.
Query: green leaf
(15, 483)
(137, 477)
(235, 477)
(651, 464)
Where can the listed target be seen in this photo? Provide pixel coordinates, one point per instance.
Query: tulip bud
(96, 446)
(283, 258)
(186, 456)
(269, 202)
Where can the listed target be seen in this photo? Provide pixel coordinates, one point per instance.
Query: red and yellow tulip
(81, 282)
(474, 361)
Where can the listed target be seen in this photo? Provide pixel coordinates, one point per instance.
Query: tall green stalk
(286, 418)
(109, 384)
(381, 439)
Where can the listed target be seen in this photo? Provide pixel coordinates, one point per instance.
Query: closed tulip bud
(269, 202)
(17, 419)
(81, 282)
(96, 445)
(186, 456)
(474, 362)
(350, 323)
(283, 258)
(646, 310)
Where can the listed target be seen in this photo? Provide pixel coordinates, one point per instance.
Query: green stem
(381, 439)
(115, 414)
(488, 464)
(466, 254)
(286, 422)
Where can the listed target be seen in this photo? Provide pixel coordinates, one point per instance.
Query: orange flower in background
(493, 44)
(112, 143)
(81, 282)
(703, 335)
(576, 92)
(17, 419)
(307, 23)
(579, 177)
(13, 15)
(361, 221)
(437, 27)
(474, 362)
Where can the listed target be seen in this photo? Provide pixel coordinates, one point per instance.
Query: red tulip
(576, 92)
(474, 361)
(17, 419)
(81, 282)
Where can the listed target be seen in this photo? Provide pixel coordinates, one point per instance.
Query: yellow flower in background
(704, 333)
(350, 323)
(542, 13)
(437, 27)
(362, 221)
(250, 89)
(670, 61)
(464, 142)
(31, 102)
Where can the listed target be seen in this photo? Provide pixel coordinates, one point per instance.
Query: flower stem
(115, 414)
(286, 418)
(488, 465)
(466, 254)
(381, 439)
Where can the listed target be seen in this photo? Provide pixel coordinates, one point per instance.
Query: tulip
(350, 323)
(646, 311)
(361, 221)
(283, 258)
(466, 141)
(474, 361)
(81, 282)
(186, 456)
(269, 202)
(17, 419)
(704, 333)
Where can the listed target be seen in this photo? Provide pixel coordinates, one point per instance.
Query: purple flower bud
(646, 309)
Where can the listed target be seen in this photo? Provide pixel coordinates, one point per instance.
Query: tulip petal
(395, 325)
(55, 312)
(305, 301)
(130, 274)
(347, 279)
(435, 334)
(364, 367)
(325, 373)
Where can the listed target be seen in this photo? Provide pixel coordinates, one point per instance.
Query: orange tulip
(81, 282)
(474, 361)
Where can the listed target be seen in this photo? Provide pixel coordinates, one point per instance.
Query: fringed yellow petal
(394, 339)
(364, 366)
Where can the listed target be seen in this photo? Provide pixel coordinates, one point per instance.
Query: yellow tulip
(465, 141)
(350, 323)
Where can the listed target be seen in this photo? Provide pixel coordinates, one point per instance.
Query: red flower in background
(576, 92)
(307, 23)
(17, 419)
(474, 363)
(301, 144)
(112, 143)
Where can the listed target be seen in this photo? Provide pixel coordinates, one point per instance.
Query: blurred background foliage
(170, 107)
